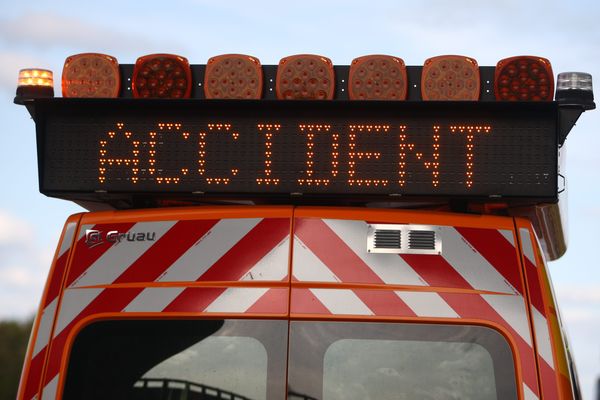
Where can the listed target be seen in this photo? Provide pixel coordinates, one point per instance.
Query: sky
(43, 33)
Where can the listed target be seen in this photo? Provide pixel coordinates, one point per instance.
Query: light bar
(575, 88)
(34, 83)
(162, 76)
(305, 77)
(524, 78)
(35, 77)
(233, 76)
(450, 78)
(377, 77)
(91, 75)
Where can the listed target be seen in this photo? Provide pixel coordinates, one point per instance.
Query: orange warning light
(35, 77)
(162, 76)
(305, 77)
(524, 78)
(91, 75)
(233, 76)
(450, 78)
(377, 77)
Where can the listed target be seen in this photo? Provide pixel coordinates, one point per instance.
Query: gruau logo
(95, 237)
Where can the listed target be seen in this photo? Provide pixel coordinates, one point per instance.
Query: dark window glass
(174, 359)
(348, 361)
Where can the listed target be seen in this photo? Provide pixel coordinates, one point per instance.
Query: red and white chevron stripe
(540, 319)
(241, 266)
(480, 266)
(154, 276)
(48, 312)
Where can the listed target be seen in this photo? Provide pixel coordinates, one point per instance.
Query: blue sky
(44, 33)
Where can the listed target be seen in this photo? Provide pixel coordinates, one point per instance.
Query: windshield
(349, 360)
(247, 359)
(171, 359)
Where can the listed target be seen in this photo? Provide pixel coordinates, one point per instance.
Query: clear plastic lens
(35, 77)
(574, 80)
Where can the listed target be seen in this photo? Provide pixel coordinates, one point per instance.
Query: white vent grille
(404, 239)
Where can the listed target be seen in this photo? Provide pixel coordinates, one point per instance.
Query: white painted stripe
(513, 310)
(273, 266)
(307, 267)
(391, 268)
(45, 328)
(236, 300)
(208, 250)
(542, 337)
(73, 303)
(508, 235)
(67, 238)
(82, 231)
(527, 245)
(426, 304)
(471, 265)
(528, 394)
(153, 299)
(121, 255)
(342, 301)
(49, 391)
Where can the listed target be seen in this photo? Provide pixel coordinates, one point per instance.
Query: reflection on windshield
(386, 369)
(231, 363)
(397, 361)
(178, 359)
(177, 389)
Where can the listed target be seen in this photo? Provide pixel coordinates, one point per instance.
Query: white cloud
(586, 294)
(11, 63)
(14, 231)
(21, 277)
(47, 30)
(24, 265)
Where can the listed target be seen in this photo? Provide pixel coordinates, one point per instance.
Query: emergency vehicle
(303, 231)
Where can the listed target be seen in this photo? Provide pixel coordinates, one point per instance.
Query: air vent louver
(404, 239)
(388, 239)
(421, 240)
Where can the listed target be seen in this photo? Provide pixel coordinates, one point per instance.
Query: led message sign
(292, 147)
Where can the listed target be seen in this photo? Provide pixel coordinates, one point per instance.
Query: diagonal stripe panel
(343, 262)
(389, 267)
(342, 301)
(305, 302)
(208, 249)
(121, 255)
(250, 250)
(85, 256)
(166, 251)
(499, 252)
(472, 266)
(308, 267)
(273, 266)
(427, 304)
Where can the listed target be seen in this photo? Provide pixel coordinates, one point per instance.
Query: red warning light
(450, 78)
(233, 76)
(305, 77)
(524, 78)
(377, 77)
(91, 75)
(162, 76)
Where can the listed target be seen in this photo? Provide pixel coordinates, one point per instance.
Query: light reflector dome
(524, 78)
(305, 77)
(162, 76)
(377, 77)
(450, 78)
(233, 76)
(91, 75)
